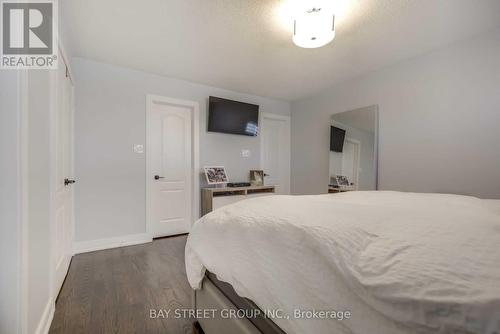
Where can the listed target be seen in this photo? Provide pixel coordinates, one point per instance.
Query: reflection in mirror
(353, 150)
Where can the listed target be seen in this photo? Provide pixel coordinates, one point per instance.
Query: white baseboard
(100, 244)
(46, 319)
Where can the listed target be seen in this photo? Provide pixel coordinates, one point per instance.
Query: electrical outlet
(245, 153)
(138, 148)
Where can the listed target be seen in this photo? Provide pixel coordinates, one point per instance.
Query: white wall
(110, 119)
(439, 122)
(39, 263)
(10, 201)
(366, 156)
(24, 201)
(25, 245)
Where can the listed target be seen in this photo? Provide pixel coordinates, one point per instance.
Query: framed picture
(216, 175)
(342, 181)
(257, 177)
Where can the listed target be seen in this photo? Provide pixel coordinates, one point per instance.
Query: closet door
(63, 197)
(275, 151)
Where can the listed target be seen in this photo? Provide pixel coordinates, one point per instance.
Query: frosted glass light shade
(314, 28)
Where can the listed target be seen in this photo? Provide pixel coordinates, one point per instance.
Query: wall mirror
(354, 150)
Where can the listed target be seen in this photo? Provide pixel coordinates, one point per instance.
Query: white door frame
(151, 100)
(287, 119)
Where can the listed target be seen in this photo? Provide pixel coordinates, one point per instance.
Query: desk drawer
(220, 201)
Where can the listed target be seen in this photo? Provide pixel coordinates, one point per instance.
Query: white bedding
(399, 262)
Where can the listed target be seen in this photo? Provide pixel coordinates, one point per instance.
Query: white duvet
(399, 262)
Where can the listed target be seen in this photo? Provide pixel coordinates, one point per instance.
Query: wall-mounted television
(336, 139)
(233, 117)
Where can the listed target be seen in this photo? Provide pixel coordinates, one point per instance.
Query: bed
(385, 262)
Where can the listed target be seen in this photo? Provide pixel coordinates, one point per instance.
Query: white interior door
(170, 169)
(63, 196)
(275, 151)
(350, 161)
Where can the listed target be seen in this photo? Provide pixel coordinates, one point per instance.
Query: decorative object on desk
(342, 181)
(257, 177)
(238, 184)
(216, 175)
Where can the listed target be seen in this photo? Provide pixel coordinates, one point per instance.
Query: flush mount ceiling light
(314, 28)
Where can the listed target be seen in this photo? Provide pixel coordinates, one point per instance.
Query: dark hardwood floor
(112, 291)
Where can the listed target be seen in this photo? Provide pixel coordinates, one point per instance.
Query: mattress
(395, 262)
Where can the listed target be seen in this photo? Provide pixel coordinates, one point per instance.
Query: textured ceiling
(246, 45)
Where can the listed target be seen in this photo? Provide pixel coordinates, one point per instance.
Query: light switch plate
(245, 153)
(138, 148)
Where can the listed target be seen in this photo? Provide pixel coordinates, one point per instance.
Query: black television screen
(336, 139)
(234, 117)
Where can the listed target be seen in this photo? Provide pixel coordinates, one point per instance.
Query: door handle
(68, 182)
(157, 177)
